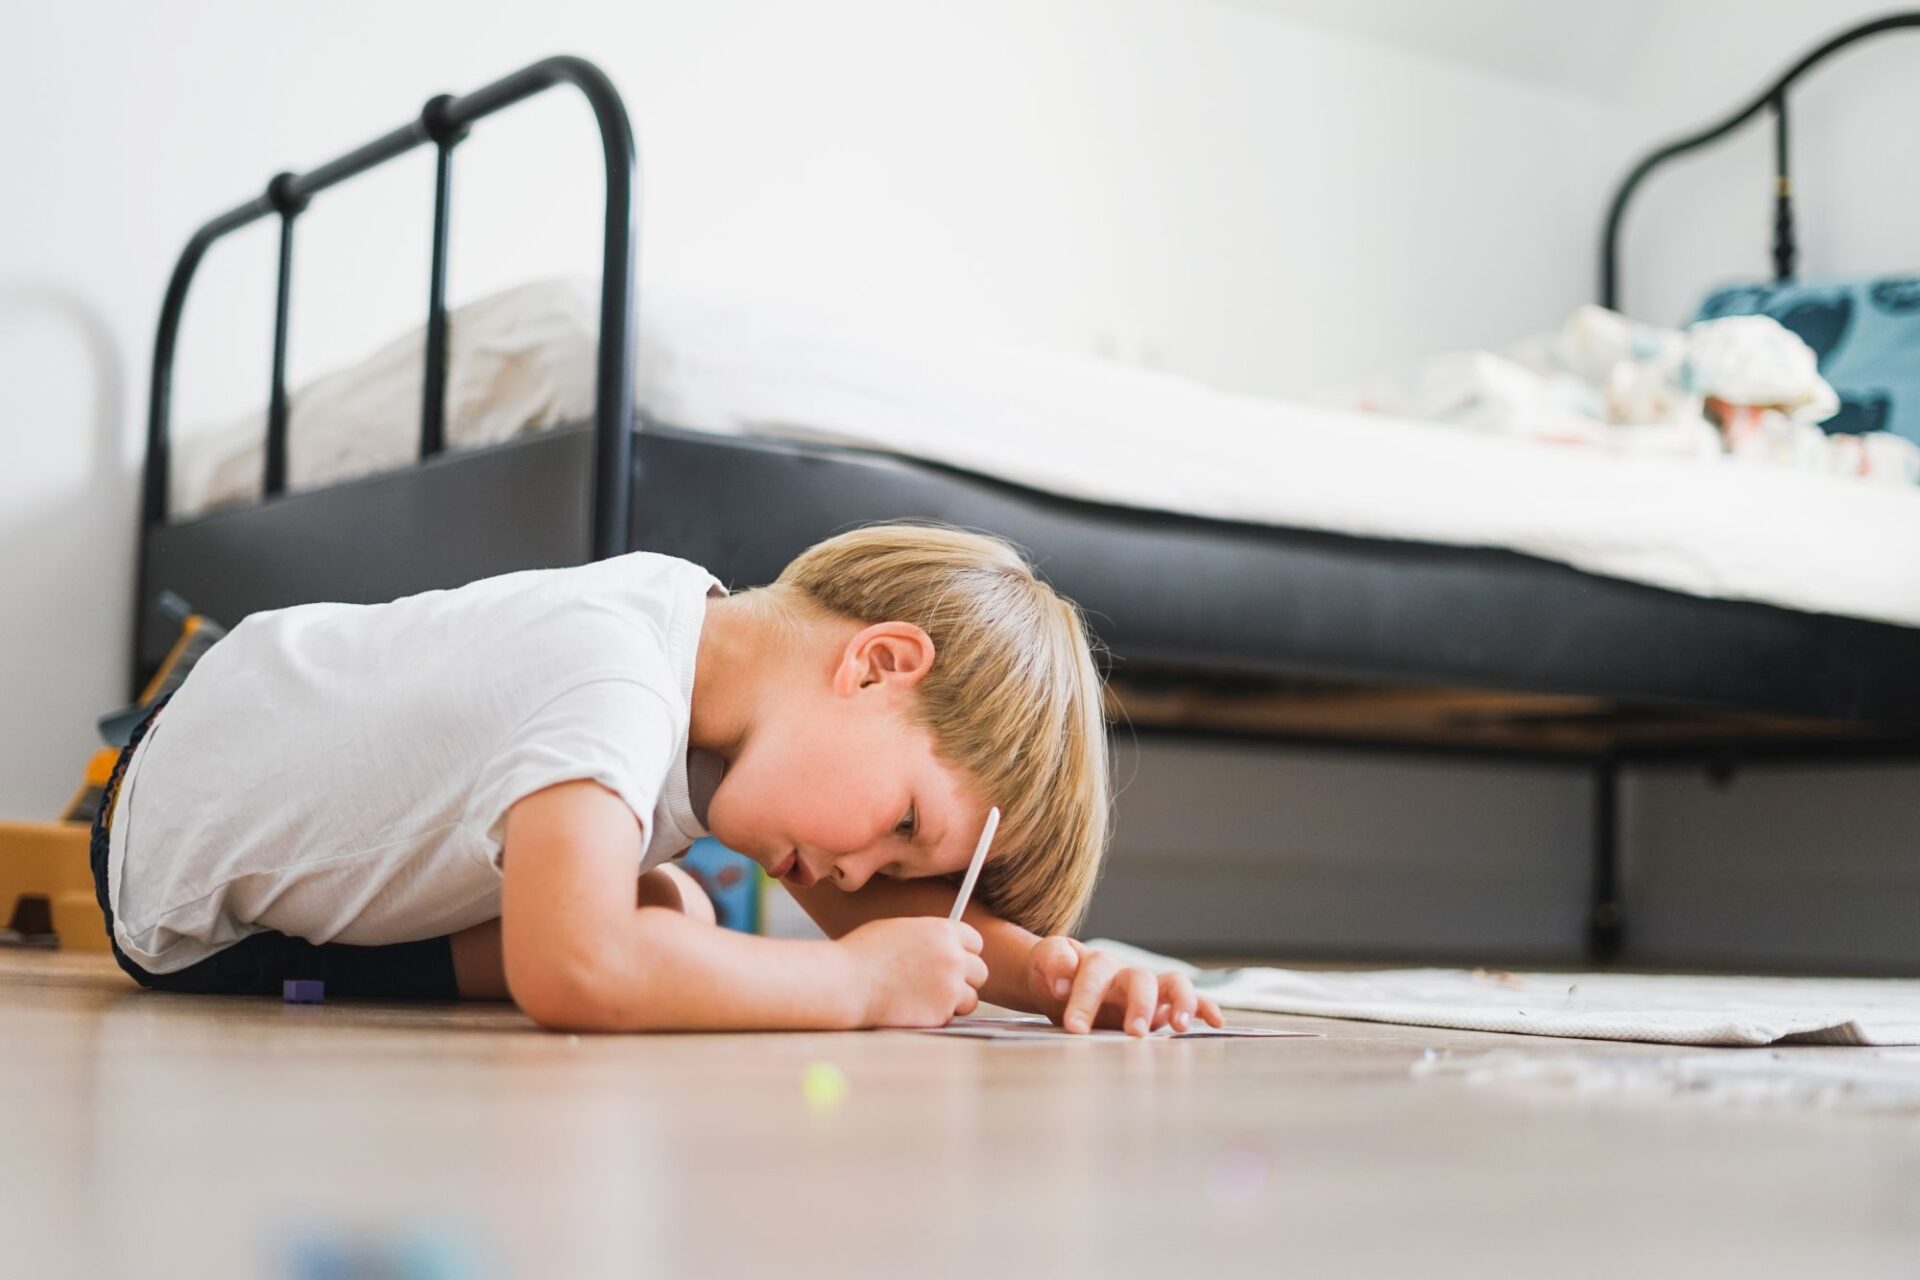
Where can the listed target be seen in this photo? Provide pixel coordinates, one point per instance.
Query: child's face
(837, 784)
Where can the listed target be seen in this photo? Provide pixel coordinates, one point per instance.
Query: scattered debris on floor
(824, 1085)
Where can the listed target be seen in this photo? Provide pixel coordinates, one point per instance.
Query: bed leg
(1605, 924)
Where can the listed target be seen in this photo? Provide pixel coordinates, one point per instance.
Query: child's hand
(1080, 988)
(920, 970)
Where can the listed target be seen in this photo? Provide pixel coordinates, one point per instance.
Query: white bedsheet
(1087, 428)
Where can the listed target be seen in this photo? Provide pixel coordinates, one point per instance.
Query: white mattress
(523, 360)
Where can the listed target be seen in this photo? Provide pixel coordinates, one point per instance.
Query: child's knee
(668, 886)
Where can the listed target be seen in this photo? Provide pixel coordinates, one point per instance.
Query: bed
(1379, 626)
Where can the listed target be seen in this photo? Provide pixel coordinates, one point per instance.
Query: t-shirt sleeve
(616, 732)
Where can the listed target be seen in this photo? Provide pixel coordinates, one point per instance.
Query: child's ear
(886, 652)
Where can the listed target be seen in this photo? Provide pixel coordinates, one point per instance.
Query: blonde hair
(1012, 700)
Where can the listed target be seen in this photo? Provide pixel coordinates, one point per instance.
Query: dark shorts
(258, 963)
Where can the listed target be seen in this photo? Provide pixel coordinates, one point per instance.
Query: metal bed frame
(1773, 98)
(1248, 612)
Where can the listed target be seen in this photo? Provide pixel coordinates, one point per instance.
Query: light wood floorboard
(159, 1135)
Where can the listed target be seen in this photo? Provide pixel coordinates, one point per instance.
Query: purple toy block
(303, 991)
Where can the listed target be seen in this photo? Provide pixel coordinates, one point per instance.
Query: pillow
(1866, 335)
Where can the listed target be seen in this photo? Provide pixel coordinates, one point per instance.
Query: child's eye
(909, 825)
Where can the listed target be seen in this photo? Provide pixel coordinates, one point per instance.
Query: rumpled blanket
(1658, 1008)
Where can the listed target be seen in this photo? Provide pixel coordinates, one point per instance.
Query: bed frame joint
(283, 193)
(438, 122)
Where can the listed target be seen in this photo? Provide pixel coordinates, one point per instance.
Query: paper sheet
(1035, 1028)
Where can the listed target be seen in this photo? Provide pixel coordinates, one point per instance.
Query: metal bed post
(433, 408)
(1783, 246)
(443, 121)
(288, 203)
(1606, 924)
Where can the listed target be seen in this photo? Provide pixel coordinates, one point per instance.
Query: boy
(476, 792)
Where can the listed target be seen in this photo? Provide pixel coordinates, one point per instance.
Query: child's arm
(480, 974)
(579, 955)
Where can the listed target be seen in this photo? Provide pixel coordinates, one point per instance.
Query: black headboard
(1774, 97)
(443, 122)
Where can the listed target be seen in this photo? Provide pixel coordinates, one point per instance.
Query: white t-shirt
(342, 773)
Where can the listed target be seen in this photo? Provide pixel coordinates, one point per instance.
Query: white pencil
(979, 858)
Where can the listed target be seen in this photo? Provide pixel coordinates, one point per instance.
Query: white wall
(1270, 194)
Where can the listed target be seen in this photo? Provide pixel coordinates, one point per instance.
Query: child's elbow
(568, 991)
(557, 1002)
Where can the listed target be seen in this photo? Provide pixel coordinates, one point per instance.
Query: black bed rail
(443, 122)
(1775, 97)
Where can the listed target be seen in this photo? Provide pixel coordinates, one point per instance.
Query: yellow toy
(46, 883)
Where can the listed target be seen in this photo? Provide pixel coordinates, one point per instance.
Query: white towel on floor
(1660, 1008)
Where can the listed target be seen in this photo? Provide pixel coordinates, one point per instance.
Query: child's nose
(851, 872)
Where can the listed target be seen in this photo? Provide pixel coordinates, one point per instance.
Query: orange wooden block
(49, 860)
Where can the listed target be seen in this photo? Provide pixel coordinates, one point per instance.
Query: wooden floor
(158, 1135)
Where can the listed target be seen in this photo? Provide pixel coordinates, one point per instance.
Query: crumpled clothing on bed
(1742, 386)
